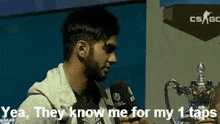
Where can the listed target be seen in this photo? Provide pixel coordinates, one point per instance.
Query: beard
(92, 70)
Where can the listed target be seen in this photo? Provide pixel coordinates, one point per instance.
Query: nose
(112, 58)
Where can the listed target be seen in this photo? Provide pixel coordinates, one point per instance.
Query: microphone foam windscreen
(122, 96)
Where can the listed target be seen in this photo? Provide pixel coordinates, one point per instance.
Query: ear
(82, 48)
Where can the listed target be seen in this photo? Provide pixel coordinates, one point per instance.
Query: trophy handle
(180, 91)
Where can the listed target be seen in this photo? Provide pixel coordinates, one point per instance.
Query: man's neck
(76, 77)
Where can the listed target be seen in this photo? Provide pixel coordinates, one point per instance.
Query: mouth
(106, 70)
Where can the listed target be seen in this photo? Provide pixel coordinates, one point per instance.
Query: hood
(55, 88)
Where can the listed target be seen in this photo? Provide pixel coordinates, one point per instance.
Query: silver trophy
(199, 94)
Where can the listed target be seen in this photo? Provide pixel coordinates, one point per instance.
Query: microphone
(122, 96)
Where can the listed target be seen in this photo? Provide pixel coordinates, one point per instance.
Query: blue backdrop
(32, 45)
(11, 7)
(166, 3)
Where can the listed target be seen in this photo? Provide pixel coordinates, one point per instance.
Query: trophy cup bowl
(199, 94)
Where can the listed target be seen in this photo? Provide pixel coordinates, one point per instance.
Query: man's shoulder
(51, 85)
(40, 92)
(35, 100)
(42, 95)
(31, 107)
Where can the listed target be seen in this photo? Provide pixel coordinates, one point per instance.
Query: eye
(109, 48)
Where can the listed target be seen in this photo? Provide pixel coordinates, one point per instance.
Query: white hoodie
(53, 93)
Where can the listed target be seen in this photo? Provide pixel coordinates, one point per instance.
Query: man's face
(101, 57)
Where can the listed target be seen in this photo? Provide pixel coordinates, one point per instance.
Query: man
(89, 43)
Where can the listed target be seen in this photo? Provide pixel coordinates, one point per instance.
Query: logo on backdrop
(200, 21)
(205, 19)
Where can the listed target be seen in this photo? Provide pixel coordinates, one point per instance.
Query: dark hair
(89, 24)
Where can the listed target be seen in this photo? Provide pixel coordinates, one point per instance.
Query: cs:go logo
(205, 18)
